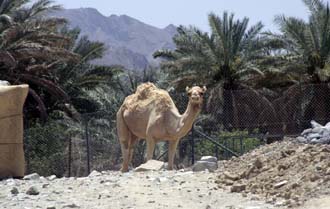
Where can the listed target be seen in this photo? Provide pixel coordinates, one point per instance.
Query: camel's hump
(145, 89)
(146, 94)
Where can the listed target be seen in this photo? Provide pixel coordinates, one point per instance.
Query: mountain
(130, 42)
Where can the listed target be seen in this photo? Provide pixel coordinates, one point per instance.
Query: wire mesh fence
(231, 123)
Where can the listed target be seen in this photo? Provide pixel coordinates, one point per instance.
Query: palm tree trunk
(318, 108)
(228, 109)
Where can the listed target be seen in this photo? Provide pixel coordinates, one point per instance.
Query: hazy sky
(160, 13)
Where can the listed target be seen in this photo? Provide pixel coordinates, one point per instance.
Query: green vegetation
(241, 66)
(238, 141)
(46, 148)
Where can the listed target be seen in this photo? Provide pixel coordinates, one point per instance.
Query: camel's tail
(122, 129)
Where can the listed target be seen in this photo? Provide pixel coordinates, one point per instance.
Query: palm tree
(309, 40)
(309, 44)
(223, 59)
(79, 79)
(30, 46)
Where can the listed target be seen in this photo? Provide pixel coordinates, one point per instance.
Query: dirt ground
(286, 171)
(148, 190)
(281, 175)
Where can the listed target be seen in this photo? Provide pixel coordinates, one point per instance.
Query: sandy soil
(147, 190)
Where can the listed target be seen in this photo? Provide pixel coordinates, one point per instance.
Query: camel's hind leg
(124, 151)
(124, 137)
(131, 145)
(128, 151)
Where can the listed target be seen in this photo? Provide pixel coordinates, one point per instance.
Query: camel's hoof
(124, 170)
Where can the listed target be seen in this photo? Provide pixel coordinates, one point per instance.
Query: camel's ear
(187, 89)
(204, 88)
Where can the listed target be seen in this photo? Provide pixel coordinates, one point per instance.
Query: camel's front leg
(171, 152)
(150, 148)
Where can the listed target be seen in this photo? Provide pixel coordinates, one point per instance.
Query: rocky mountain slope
(130, 42)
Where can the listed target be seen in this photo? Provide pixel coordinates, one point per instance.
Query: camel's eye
(202, 93)
(189, 93)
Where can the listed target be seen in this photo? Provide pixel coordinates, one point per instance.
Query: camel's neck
(188, 118)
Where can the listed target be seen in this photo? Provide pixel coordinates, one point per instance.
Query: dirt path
(147, 190)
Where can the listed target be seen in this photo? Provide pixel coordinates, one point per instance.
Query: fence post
(87, 144)
(241, 144)
(70, 155)
(226, 145)
(192, 146)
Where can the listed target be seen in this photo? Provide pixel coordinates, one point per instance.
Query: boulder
(280, 184)
(318, 134)
(151, 165)
(209, 159)
(4, 83)
(32, 191)
(51, 178)
(14, 191)
(203, 165)
(315, 124)
(32, 176)
(94, 173)
(238, 188)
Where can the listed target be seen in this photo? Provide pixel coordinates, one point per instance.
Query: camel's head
(196, 94)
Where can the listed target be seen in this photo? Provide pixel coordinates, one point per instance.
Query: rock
(315, 124)
(73, 205)
(203, 165)
(33, 176)
(160, 179)
(314, 177)
(51, 207)
(327, 172)
(238, 188)
(313, 136)
(319, 130)
(94, 173)
(258, 163)
(230, 176)
(323, 140)
(4, 83)
(209, 159)
(287, 195)
(10, 182)
(51, 178)
(184, 173)
(280, 184)
(151, 165)
(306, 131)
(14, 191)
(327, 125)
(32, 191)
(45, 185)
(228, 182)
(302, 139)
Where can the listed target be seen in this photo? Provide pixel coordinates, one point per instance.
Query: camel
(151, 114)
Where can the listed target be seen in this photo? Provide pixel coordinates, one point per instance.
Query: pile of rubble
(285, 173)
(318, 134)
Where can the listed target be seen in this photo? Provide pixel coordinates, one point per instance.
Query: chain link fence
(231, 123)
